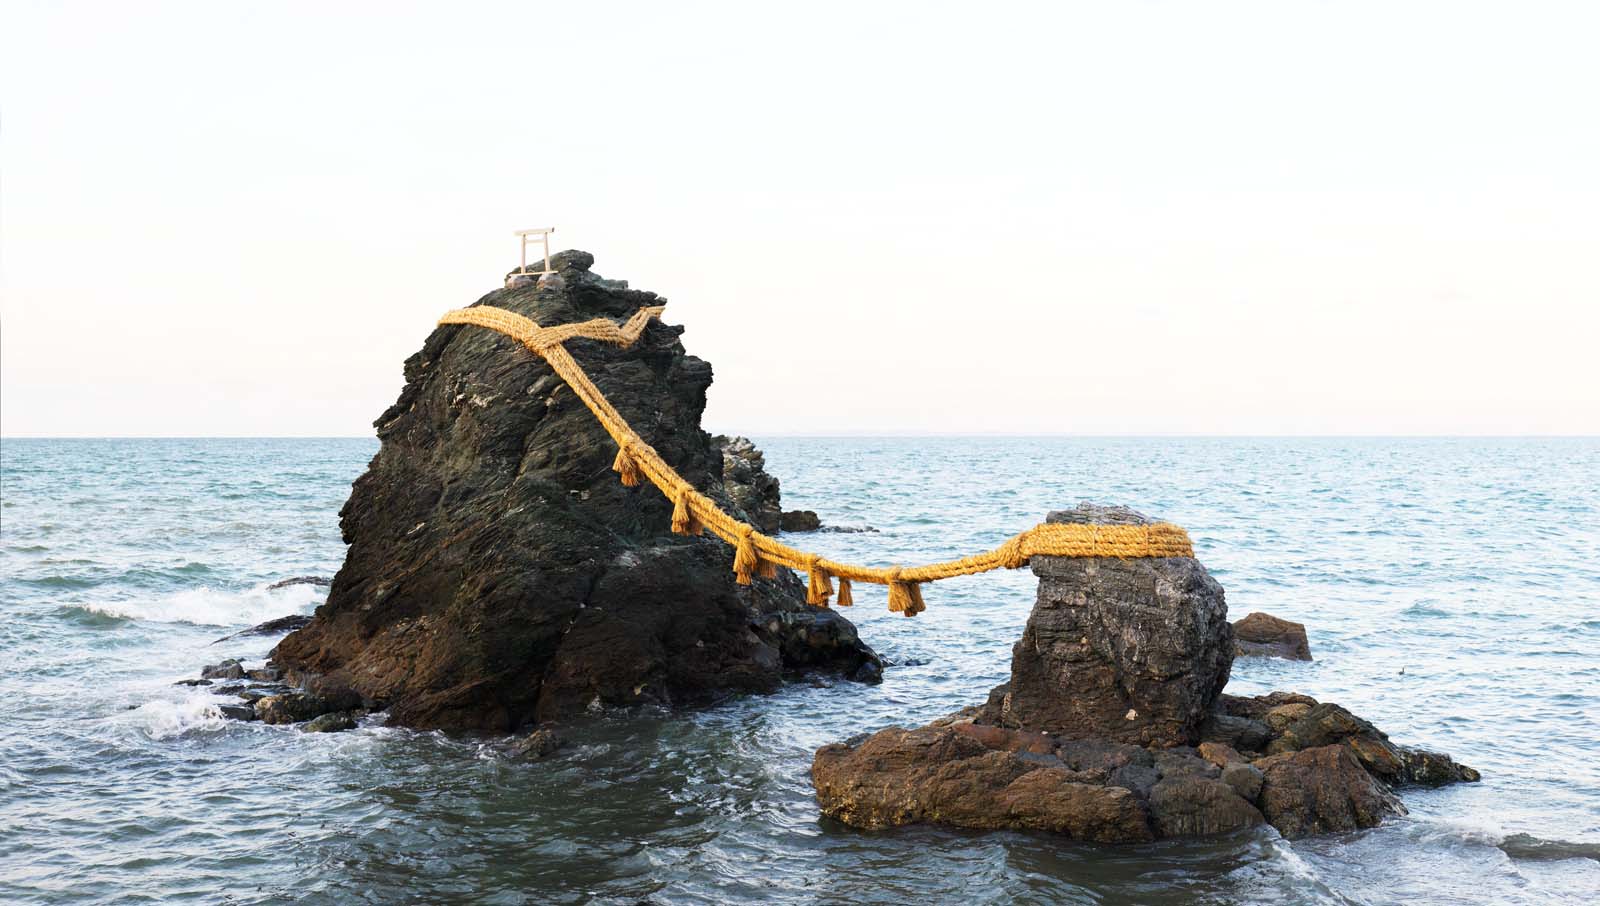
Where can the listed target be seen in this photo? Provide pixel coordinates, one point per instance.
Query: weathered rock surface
(498, 573)
(940, 775)
(752, 490)
(1144, 645)
(1322, 790)
(1264, 635)
(296, 707)
(1119, 672)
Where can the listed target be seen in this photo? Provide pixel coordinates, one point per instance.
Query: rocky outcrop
(1264, 635)
(1144, 645)
(499, 575)
(1114, 728)
(749, 486)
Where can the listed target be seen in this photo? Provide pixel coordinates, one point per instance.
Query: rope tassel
(904, 597)
(624, 466)
(745, 561)
(844, 593)
(818, 588)
(683, 521)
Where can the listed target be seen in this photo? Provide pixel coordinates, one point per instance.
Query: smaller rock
(541, 743)
(272, 627)
(1192, 805)
(1264, 635)
(331, 723)
(1219, 754)
(1282, 716)
(237, 712)
(264, 675)
(799, 521)
(192, 682)
(1245, 779)
(294, 707)
(301, 580)
(1322, 725)
(228, 669)
(1322, 790)
(820, 638)
(1240, 733)
(1433, 768)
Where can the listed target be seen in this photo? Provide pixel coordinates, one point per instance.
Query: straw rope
(756, 554)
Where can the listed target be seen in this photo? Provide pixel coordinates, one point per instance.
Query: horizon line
(880, 435)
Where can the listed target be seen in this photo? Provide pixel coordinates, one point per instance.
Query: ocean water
(1473, 565)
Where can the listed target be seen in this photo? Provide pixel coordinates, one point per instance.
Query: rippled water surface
(1474, 565)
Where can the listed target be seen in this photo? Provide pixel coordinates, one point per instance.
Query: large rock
(499, 574)
(1264, 635)
(940, 775)
(1128, 650)
(1119, 672)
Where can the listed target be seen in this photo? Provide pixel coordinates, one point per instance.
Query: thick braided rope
(756, 554)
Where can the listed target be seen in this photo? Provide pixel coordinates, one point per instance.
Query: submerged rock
(1264, 635)
(228, 669)
(237, 712)
(334, 722)
(1119, 672)
(499, 575)
(541, 743)
(272, 627)
(322, 581)
(799, 521)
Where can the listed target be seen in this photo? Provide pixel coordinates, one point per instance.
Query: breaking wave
(207, 606)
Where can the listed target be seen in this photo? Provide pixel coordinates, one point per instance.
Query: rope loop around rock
(756, 554)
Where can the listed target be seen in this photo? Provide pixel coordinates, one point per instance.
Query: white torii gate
(541, 236)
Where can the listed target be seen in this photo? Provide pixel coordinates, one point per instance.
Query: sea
(1450, 587)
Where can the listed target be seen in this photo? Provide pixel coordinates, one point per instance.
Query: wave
(1519, 845)
(165, 719)
(206, 606)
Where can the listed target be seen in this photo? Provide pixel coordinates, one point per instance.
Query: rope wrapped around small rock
(758, 555)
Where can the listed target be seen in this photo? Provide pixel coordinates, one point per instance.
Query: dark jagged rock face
(499, 574)
(755, 492)
(1128, 650)
(1118, 674)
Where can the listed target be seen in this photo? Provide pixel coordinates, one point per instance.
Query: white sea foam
(215, 607)
(166, 718)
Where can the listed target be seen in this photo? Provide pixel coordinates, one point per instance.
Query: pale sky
(1086, 218)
